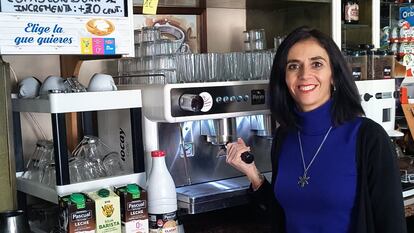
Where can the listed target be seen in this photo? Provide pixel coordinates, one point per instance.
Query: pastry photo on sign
(100, 27)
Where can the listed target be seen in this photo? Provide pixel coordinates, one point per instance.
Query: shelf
(408, 193)
(80, 102)
(354, 26)
(396, 4)
(49, 194)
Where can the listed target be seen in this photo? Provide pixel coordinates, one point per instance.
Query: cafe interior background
(211, 26)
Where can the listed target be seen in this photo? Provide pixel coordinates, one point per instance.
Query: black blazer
(379, 204)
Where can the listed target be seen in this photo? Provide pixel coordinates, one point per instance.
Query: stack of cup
(254, 39)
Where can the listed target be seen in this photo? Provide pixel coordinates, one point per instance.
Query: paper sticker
(109, 44)
(86, 46)
(150, 7)
(98, 45)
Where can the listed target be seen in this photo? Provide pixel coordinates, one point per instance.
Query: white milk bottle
(162, 197)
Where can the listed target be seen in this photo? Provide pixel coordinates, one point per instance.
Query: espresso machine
(378, 101)
(193, 122)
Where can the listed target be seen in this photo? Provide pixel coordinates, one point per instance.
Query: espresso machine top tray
(200, 198)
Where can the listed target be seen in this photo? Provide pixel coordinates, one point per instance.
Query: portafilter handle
(247, 157)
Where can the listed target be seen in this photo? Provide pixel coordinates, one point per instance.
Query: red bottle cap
(157, 153)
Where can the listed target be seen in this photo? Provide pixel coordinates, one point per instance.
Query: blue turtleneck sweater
(324, 205)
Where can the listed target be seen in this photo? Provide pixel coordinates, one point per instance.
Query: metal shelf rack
(57, 104)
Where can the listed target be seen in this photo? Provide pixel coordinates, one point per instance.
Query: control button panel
(226, 99)
(190, 101)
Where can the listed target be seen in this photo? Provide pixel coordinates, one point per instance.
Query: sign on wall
(407, 13)
(90, 27)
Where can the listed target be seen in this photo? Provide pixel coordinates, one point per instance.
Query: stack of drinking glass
(90, 160)
(161, 61)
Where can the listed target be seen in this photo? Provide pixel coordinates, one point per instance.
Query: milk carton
(77, 213)
(107, 209)
(134, 212)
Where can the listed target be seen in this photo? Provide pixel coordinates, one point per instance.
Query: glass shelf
(396, 4)
(353, 26)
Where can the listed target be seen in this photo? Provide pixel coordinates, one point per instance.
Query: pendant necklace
(304, 180)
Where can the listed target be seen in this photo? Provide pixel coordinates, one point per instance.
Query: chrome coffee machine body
(193, 122)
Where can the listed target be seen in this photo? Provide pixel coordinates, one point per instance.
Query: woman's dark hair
(346, 100)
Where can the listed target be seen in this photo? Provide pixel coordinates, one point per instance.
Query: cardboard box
(77, 213)
(134, 208)
(107, 209)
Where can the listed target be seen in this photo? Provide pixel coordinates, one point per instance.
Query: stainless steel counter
(214, 195)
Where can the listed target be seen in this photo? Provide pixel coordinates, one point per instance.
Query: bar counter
(240, 219)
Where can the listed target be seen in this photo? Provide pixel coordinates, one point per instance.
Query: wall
(225, 29)
(39, 66)
(281, 20)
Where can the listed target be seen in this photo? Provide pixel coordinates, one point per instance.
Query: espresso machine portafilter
(223, 131)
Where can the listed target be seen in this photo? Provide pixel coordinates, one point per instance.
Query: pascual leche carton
(134, 211)
(77, 213)
(107, 211)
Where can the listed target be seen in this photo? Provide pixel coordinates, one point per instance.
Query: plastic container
(351, 12)
(358, 62)
(383, 64)
(162, 197)
(368, 48)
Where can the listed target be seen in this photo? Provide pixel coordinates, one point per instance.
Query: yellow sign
(150, 7)
(86, 46)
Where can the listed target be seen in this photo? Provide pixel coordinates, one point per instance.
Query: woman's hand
(234, 151)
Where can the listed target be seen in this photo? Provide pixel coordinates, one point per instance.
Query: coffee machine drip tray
(204, 197)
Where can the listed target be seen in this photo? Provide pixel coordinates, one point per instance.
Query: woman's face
(308, 74)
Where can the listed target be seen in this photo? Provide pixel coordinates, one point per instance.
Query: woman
(334, 171)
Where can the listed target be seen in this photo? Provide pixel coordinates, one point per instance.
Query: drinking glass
(31, 170)
(73, 85)
(49, 175)
(41, 157)
(94, 153)
(79, 170)
(214, 64)
(113, 164)
(201, 67)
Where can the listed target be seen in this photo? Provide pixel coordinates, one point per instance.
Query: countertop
(241, 219)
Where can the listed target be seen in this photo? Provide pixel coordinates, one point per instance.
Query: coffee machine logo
(123, 144)
(108, 210)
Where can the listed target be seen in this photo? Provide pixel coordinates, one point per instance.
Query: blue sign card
(407, 13)
(109, 45)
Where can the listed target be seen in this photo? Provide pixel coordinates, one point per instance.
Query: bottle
(351, 12)
(162, 197)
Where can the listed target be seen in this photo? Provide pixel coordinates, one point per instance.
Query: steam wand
(187, 174)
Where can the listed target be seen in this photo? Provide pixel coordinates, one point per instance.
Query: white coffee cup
(29, 87)
(101, 82)
(52, 84)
